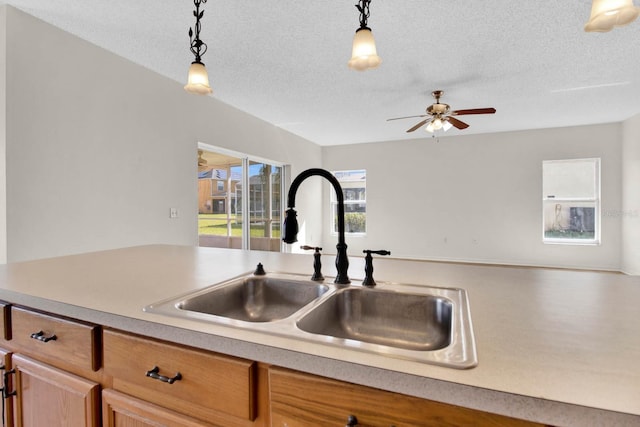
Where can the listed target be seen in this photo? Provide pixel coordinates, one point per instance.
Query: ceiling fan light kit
(198, 79)
(608, 14)
(364, 55)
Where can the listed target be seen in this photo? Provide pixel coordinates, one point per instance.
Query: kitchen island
(555, 346)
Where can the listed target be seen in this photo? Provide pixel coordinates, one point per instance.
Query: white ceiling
(284, 61)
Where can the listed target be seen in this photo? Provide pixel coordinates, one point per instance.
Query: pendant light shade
(363, 54)
(607, 14)
(198, 80)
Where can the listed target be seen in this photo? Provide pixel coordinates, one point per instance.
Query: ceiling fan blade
(474, 111)
(407, 117)
(422, 123)
(457, 123)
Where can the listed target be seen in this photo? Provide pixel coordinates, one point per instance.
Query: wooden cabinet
(5, 366)
(71, 373)
(52, 358)
(120, 410)
(302, 400)
(63, 342)
(212, 388)
(5, 321)
(46, 396)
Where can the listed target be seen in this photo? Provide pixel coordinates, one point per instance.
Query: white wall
(478, 197)
(99, 149)
(3, 132)
(630, 213)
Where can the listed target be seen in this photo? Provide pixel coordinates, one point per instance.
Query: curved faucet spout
(290, 226)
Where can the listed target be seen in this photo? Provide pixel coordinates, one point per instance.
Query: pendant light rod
(198, 47)
(363, 7)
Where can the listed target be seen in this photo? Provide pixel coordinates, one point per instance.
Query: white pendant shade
(198, 80)
(364, 55)
(607, 14)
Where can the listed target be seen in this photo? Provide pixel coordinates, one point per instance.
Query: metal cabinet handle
(352, 421)
(41, 337)
(5, 390)
(154, 373)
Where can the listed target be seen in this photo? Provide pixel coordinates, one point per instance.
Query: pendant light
(198, 80)
(364, 55)
(607, 14)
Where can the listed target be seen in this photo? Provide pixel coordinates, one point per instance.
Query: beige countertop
(555, 346)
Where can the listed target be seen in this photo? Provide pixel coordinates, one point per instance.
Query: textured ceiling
(284, 61)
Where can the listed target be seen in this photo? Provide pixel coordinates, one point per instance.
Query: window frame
(567, 203)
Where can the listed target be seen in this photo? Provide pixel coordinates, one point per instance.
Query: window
(354, 189)
(571, 201)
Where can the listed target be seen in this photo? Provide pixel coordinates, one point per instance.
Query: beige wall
(630, 212)
(3, 132)
(99, 149)
(478, 197)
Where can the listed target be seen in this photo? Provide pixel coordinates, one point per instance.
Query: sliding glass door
(229, 182)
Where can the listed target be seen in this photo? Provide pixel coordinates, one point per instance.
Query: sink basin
(425, 324)
(402, 320)
(254, 298)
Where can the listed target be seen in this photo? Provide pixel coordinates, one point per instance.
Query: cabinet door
(5, 366)
(46, 396)
(121, 410)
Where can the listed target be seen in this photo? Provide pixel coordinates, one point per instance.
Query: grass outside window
(216, 225)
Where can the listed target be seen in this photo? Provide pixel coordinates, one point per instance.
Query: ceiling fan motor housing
(438, 109)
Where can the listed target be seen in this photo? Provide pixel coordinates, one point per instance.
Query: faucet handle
(368, 266)
(317, 265)
(380, 252)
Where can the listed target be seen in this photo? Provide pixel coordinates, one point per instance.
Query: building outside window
(354, 188)
(571, 201)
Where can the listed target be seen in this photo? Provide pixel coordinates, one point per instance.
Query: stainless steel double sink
(419, 323)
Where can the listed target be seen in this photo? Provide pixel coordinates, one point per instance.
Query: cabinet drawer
(5, 321)
(70, 341)
(302, 400)
(194, 382)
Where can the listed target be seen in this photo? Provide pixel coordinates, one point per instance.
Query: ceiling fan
(201, 160)
(439, 116)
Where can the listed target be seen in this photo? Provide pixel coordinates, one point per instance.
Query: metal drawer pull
(352, 421)
(156, 376)
(40, 337)
(5, 390)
